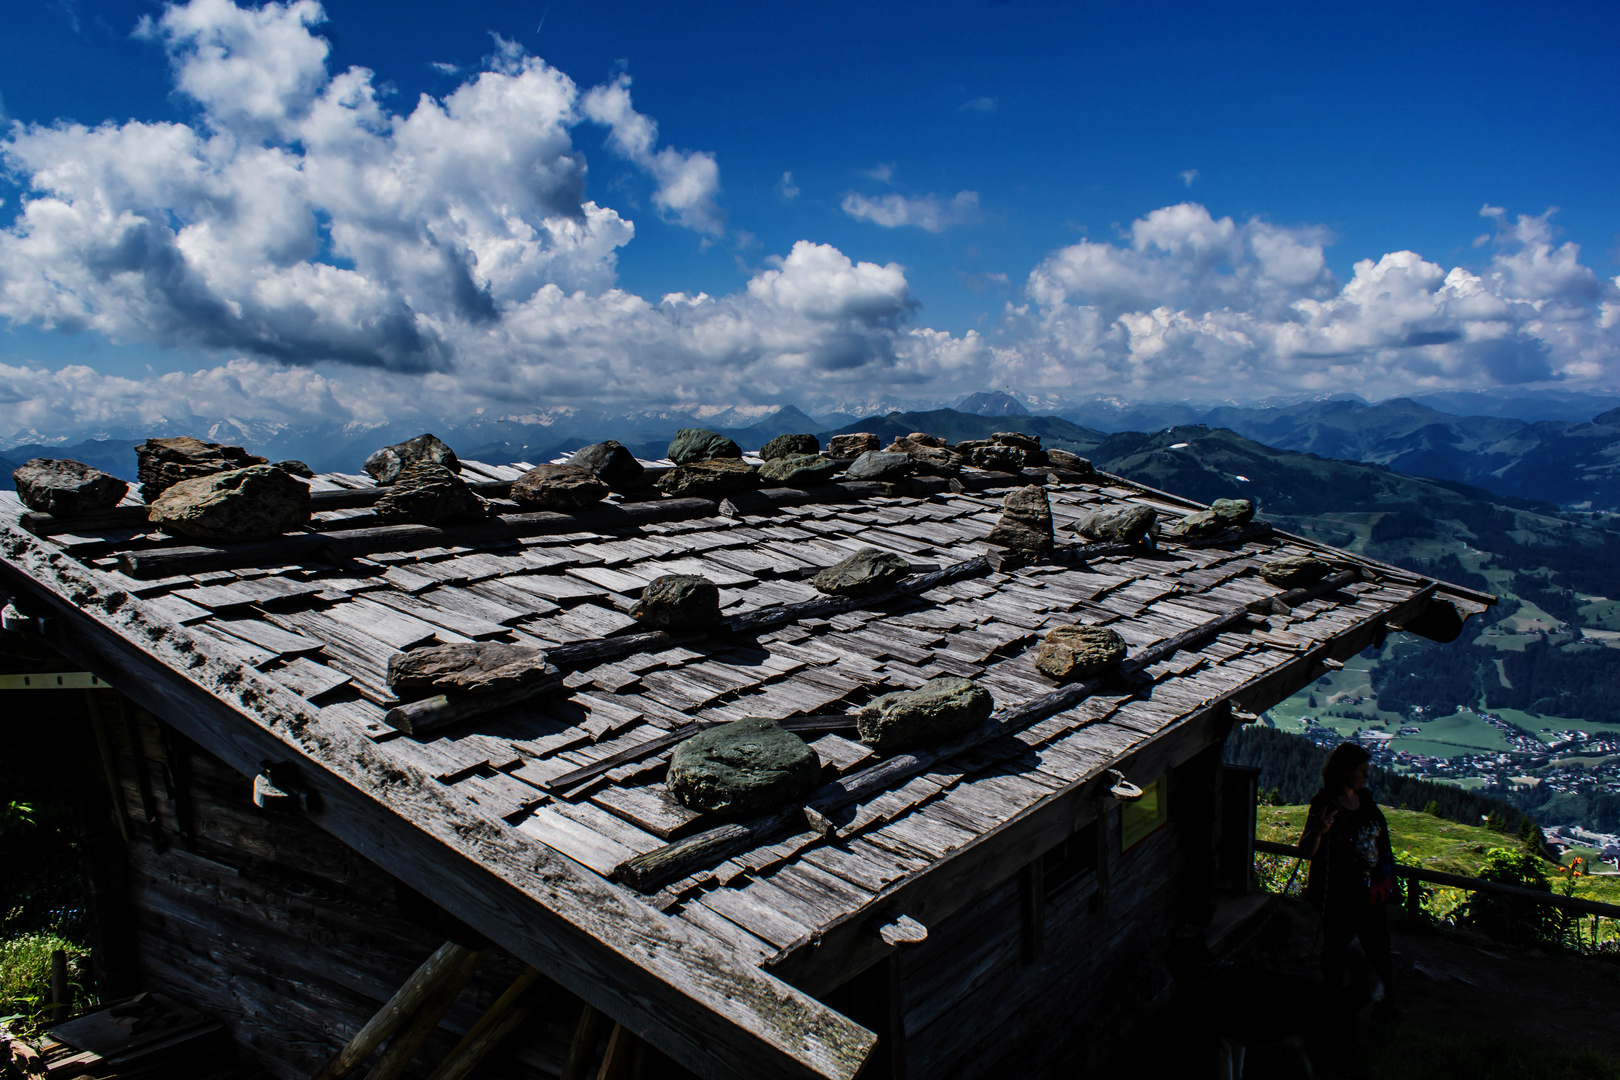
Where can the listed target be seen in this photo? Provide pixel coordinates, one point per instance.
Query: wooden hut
(287, 846)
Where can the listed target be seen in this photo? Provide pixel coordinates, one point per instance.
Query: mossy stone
(1222, 514)
(256, 503)
(744, 767)
(877, 465)
(1026, 523)
(612, 464)
(558, 487)
(708, 479)
(799, 470)
(700, 444)
(1072, 652)
(679, 602)
(790, 445)
(939, 709)
(1125, 526)
(1295, 571)
(866, 572)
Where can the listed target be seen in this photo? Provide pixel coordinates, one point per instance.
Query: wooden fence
(1457, 881)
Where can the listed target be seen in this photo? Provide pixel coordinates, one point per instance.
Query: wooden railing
(1457, 881)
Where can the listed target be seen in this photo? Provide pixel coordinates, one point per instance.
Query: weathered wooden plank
(298, 548)
(308, 679)
(649, 808)
(438, 615)
(579, 842)
(761, 919)
(267, 635)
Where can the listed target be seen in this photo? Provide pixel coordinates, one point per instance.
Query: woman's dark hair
(1340, 764)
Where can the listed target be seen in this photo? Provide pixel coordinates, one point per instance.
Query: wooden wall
(264, 921)
(976, 1005)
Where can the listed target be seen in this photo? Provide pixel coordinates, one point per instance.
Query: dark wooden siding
(974, 1008)
(976, 1005)
(269, 924)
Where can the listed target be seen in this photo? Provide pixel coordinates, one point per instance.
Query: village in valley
(1513, 763)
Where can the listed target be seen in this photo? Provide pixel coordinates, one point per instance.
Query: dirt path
(1450, 979)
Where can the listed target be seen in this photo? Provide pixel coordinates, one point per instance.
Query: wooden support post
(1105, 851)
(175, 748)
(61, 996)
(622, 1061)
(143, 780)
(407, 1041)
(102, 831)
(514, 1006)
(583, 1048)
(108, 768)
(435, 970)
(1032, 903)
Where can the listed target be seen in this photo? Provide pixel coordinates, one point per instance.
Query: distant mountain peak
(991, 403)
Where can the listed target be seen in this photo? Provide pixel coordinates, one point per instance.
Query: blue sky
(1033, 142)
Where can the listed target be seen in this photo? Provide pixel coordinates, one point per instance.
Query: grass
(1412, 1052)
(1420, 839)
(25, 976)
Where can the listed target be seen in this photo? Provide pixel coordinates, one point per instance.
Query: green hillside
(1546, 659)
(1420, 839)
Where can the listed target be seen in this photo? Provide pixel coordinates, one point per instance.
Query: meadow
(1420, 839)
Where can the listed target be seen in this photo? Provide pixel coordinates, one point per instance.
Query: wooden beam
(442, 968)
(622, 1060)
(343, 543)
(143, 778)
(1579, 904)
(583, 1046)
(700, 1003)
(407, 1042)
(108, 768)
(527, 992)
(133, 516)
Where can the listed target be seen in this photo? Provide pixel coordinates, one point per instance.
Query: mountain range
(1573, 463)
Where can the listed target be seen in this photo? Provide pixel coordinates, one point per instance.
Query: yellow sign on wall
(1137, 820)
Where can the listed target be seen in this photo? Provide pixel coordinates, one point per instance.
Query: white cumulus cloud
(1195, 306)
(348, 260)
(688, 181)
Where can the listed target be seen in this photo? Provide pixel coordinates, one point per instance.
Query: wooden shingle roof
(280, 652)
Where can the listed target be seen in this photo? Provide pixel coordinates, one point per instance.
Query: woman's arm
(1317, 823)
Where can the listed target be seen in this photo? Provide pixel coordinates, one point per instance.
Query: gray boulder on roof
(256, 503)
(743, 767)
(65, 488)
(699, 444)
(386, 464)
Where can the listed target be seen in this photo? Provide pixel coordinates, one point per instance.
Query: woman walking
(1352, 871)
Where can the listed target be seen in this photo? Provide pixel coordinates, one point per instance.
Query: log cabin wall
(977, 1004)
(974, 1008)
(267, 923)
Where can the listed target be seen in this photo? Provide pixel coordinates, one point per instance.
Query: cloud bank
(348, 261)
